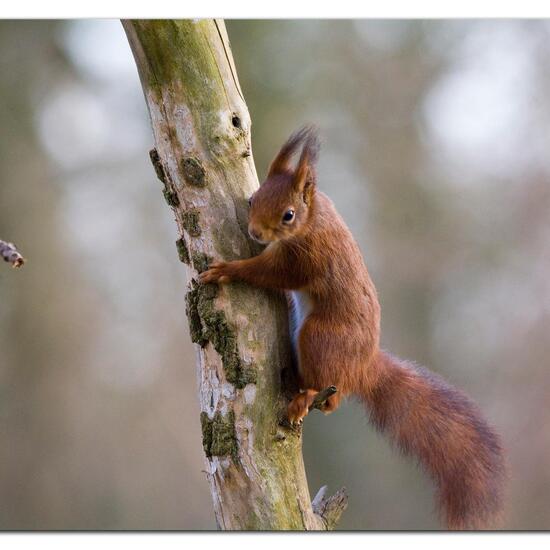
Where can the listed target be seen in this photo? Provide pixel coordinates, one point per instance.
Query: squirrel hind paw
(298, 408)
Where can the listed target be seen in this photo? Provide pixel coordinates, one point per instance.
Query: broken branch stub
(10, 254)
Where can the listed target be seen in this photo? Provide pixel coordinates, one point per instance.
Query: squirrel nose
(254, 234)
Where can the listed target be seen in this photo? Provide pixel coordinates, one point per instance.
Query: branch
(9, 252)
(320, 398)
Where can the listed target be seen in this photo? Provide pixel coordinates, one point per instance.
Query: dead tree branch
(9, 252)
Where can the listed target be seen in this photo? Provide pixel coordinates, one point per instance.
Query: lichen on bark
(218, 435)
(201, 261)
(170, 197)
(193, 316)
(183, 252)
(157, 165)
(208, 324)
(193, 171)
(190, 221)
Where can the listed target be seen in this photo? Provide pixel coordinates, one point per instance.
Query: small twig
(320, 399)
(9, 252)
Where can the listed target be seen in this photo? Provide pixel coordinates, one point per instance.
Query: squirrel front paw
(216, 273)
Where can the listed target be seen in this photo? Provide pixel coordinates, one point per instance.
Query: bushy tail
(440, 426)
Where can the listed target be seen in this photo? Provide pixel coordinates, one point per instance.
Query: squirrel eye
(288, 216)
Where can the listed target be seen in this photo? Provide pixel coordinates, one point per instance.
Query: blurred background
(435, 150)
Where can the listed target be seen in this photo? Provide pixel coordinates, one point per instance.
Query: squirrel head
(281, 207)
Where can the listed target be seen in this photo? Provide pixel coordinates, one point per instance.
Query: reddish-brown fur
(338, 342)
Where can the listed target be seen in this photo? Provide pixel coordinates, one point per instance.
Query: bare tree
(203, 157)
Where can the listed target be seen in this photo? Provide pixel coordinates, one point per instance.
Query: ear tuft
(304, 176)
(306, 135)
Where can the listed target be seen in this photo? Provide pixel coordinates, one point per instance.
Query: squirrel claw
(298, 408)
(214, 274)
(296, 424)
(296, 421)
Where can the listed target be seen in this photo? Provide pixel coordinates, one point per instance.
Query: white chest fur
(302, 305)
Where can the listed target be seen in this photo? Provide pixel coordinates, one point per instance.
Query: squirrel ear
(304, 181)
(304, 175)
(281, 163)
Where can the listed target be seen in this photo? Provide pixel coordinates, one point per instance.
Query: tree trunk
(203, 156)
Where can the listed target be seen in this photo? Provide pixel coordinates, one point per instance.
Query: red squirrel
(335, 329)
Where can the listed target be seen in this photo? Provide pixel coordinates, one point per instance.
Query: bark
(203, 156)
